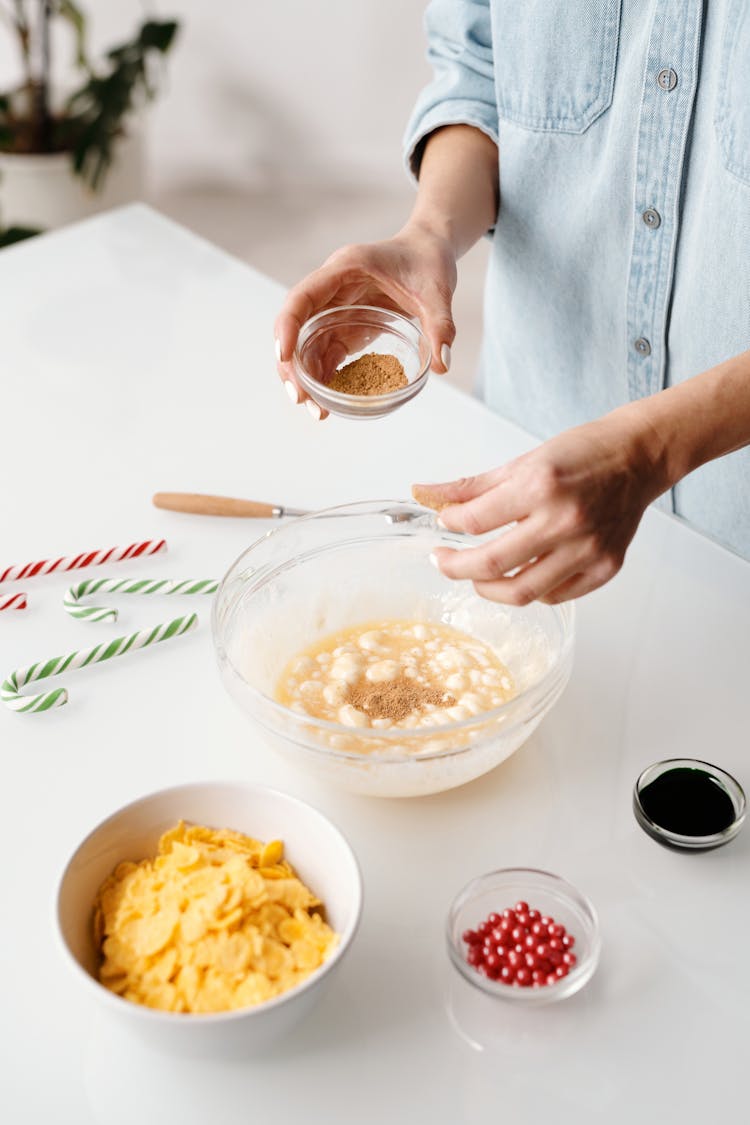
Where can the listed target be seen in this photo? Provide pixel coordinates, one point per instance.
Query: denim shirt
(620, 259)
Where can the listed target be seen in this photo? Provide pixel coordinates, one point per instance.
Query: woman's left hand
(569, 510)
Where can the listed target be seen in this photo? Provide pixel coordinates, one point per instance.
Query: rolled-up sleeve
(462, 92)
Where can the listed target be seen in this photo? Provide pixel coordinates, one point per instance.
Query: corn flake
(215, 921)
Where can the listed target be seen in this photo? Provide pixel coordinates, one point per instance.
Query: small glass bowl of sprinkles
(523, 935)
(360, 361)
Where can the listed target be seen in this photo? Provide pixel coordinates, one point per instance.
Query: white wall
(271, 92)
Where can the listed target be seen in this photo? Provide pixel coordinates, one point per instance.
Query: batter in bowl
(396, 673)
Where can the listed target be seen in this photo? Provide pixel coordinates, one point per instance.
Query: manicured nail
(314, 409)
(445, 355)
(292, 391)
(277, 349)
(434, 560)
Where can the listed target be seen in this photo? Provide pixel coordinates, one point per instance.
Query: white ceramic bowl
(314, 847)
(360, 563)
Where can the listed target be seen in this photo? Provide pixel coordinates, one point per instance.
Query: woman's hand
(569, 510)
(413, 273)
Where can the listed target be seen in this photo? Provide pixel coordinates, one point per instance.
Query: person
(605, 147)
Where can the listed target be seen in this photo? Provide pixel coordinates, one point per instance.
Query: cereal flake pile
(215, 921)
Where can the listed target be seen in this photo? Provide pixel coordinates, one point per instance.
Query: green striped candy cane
(10, 690)
(72, 600)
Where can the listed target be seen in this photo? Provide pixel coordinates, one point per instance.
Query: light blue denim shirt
(620, 260)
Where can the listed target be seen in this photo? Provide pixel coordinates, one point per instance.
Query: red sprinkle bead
(520, 946)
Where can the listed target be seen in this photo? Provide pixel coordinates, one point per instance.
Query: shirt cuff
(459, 111)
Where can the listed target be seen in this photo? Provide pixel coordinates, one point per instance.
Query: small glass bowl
(338, 336)
(675, 840)
(548, 893)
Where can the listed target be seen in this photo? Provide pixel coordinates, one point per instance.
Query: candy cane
(13, 601)
(10, 690)
(129, 586)
(74, 562)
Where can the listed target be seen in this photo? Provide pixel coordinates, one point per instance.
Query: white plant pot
(41, 191)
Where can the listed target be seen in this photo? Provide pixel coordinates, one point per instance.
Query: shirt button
(651, 218)
(642, 346)
(666, 79)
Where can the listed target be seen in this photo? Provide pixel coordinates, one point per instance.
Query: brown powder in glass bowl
(395, 699)
(372, 374)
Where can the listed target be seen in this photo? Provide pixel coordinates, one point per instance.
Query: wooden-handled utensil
(201, 505)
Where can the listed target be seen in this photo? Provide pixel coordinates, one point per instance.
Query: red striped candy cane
(74, 562)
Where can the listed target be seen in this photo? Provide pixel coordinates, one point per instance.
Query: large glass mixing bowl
(361, 563)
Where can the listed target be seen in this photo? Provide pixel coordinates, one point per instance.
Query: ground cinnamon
(395, 699)
(371, 374)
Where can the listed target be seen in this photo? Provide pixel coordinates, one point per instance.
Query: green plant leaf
(101, 105)
(73, 15)
(158, 35)
(16, 234)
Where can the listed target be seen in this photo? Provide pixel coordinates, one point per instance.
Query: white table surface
(135, 357)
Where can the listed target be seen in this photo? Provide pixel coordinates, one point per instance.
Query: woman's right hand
(413, 273)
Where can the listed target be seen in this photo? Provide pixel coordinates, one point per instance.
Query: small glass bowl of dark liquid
(688, 804)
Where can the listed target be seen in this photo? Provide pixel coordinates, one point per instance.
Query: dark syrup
(688, 801)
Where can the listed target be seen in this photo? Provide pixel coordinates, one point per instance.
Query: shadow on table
(127, 1079)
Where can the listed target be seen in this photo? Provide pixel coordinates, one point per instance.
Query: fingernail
(445, 355)
(434, 560)
(440, 522)
(277, 348)
(314, 409)
(292, 391)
